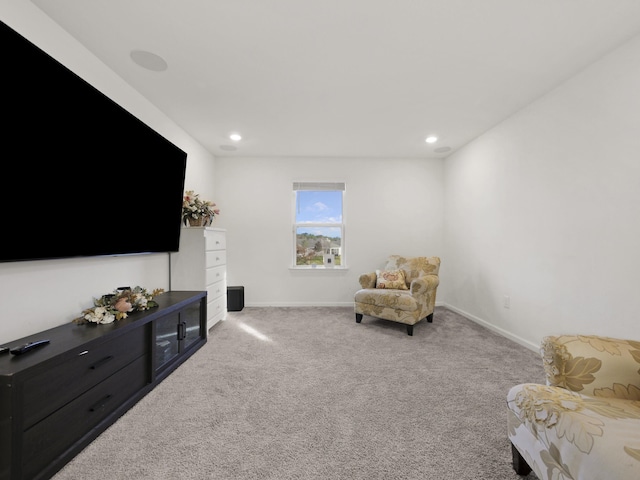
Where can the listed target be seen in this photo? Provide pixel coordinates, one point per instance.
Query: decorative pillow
(391, 279)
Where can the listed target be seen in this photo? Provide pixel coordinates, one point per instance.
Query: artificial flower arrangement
(196, 211)
(115, 306)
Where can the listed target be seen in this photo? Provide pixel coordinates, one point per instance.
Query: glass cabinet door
(190, 317)
(167, 343)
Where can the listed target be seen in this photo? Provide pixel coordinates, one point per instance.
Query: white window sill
(318, 267)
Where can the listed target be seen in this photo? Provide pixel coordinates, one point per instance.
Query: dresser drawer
(215, 274)
(215, 258)
(215, 240)
(46, 440)
(216, 290)
(216, 307)
(46, 392)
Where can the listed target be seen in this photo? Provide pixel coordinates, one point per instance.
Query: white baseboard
(489, 326)
(299, 304)
(310, 304)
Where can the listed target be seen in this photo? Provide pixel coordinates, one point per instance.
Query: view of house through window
(318, 223)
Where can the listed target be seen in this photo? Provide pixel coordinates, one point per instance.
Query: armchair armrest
(368, 280)
(593, 365)
(424, 284)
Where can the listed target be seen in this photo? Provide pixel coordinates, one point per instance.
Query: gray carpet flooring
(307, 393)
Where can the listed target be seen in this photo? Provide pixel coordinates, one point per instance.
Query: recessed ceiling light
(431, 139)
(148, 60)
(236, 137)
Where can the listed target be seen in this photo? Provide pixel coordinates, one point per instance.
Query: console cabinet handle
(100, 405)
(99, 363)
(182, 330)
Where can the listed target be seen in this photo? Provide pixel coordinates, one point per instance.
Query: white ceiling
(346, 78)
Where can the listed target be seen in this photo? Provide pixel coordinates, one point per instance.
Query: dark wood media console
(57, 398)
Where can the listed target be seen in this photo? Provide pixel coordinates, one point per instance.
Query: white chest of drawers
(201, 264)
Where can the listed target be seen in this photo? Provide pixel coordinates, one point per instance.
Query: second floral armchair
(584, 423)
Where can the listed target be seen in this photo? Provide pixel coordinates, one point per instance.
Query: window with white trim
(318, 224)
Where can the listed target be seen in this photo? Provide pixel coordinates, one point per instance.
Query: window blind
(319, 186)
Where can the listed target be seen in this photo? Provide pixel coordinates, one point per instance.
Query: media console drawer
(47, 391)
(44, 441)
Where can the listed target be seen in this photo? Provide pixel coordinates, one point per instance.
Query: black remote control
(27, 347)
(4, 349)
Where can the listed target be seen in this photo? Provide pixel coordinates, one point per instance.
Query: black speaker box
(235, 299)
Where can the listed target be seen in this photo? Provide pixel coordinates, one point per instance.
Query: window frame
(318, 187)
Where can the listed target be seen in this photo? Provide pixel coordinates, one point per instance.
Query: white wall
(544, 209)
(392, 206)
(43, 294)
(541, 209)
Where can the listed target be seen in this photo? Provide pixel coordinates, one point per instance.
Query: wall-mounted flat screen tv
(81, 176)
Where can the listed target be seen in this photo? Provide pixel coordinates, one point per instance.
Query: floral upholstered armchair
(585, 422)
(404, 291)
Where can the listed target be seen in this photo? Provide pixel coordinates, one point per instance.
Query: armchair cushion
(391, 279)
(379, 299)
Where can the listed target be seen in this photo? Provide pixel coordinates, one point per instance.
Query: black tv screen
(81, 176)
